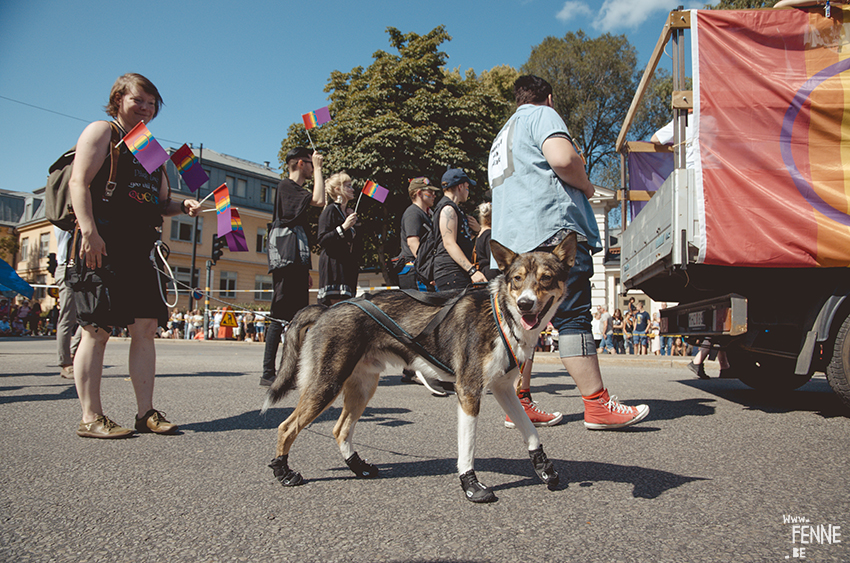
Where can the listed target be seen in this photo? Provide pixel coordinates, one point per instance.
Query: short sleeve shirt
(414, 222)
(531, 203)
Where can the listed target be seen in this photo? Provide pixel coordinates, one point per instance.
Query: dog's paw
(282, 472)
(474, 490)
(362, 468)
(543, 467)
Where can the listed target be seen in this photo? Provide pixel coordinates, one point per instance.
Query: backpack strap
(114, 152)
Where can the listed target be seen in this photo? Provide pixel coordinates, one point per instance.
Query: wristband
(340, 231)
(183, 207)
(471, 272)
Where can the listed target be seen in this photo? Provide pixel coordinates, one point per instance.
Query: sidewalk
(620, 360)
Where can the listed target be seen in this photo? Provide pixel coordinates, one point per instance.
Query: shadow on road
(815, 396)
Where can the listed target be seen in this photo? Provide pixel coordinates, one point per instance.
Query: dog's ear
(504, 256)
(566, 251)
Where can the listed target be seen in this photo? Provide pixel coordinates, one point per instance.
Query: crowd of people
(634, 333)
(25, 318)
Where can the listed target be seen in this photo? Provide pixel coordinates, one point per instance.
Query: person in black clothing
(339, 263)
(289, 251)
(482, 241)
(453, 267)
(414, 223)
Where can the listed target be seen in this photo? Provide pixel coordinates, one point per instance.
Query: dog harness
(364, 303)
(500, 322)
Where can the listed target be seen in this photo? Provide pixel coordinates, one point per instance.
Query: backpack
(57, 196)
(423, 265)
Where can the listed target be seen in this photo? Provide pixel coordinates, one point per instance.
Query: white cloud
(573, 9)
(615, 15)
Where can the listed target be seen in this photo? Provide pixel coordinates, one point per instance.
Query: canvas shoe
(154, 421)
(699, 370)
(603, 412)
(537, 416)
(67, 372)
(102, 427)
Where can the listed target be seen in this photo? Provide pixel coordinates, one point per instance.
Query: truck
(744, 221)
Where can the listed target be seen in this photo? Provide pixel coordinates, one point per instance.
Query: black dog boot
(543, 467)
(475, 491)
(282, 472)
(362, 468)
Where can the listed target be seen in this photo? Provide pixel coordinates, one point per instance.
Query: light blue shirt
(531, 204)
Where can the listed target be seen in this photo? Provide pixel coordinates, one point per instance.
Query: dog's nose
(525, 304)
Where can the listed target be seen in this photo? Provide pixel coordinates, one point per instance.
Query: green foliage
(8, 248)
(593, 83)
(405, 116)
(741, 4)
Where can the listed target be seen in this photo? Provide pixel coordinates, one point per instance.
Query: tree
(8, 248)
(405, 116)
(593, 83)
(741, 4)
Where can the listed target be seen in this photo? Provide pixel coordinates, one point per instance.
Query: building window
(44, 245)
(181, 228)
(25, 249)
(227, 284)
(241, 188)
(40, 293)
(262, 241)
(266, 193)
(183, 277)
(263, 283)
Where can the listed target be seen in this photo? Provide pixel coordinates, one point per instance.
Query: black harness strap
(511, 357)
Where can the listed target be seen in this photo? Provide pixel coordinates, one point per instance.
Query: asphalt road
(715, 473)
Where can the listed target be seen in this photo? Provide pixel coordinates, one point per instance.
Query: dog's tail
(292, 342)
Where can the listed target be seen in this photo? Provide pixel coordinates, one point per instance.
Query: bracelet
(471, 272)
(183, 207)
(340, 231)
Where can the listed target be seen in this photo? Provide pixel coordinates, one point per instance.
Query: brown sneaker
(102, 427)
(154, 421)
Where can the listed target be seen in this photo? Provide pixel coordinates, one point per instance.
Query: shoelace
(613, 405)
(107, 424)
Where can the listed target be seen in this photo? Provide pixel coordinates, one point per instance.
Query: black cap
(298, 153)
(455, 176)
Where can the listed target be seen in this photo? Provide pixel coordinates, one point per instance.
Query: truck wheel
(764, 372)
(838, 370)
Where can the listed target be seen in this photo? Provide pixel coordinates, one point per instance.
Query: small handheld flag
(374, 191)
(189, 167)
(222, 210)
(316, 118)
(236, 238)
(145, 148)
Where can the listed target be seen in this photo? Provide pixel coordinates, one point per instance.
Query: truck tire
(838, 370)
(764, 372)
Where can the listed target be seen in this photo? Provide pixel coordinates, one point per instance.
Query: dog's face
(536, 281)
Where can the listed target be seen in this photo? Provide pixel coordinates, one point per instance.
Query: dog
(474, 344)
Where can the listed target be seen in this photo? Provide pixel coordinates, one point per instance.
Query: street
(717, 471)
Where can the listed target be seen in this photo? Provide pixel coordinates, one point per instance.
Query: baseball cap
(455, 176)
(421, 183)
(298, 153)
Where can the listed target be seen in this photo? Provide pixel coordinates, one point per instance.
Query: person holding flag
(341, 242)
(289, 251)
(113, 279)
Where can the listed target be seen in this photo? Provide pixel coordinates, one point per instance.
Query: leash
(157, 251)
(500, 322)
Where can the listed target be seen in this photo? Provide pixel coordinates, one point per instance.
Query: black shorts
(291, 286)
(119, 292)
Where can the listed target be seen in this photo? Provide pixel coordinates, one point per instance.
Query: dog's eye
(546, 278)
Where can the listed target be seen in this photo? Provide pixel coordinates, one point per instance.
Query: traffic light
(52, 263)
(218, 244)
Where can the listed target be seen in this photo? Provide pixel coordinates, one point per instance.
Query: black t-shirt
(443, 263)
(482, 254)
(414, 223)
(291, 204)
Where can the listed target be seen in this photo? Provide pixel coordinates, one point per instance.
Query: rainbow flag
(773, 141)
(145, 148)
(223, 212)
(316, 118)
(375, 191)
(189, 167)
(236, 237)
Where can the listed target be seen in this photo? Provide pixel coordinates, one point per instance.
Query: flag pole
(206, 198)
(358, 202)
(311, 139)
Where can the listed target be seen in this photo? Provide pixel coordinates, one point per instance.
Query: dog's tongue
(529, 321)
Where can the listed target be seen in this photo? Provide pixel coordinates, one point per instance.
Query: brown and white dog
(344, 349)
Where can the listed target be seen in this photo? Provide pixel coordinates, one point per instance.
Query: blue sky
(235, 75)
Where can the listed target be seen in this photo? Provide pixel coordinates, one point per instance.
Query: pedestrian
(655, 334)
(415, 223)
(482, 241)
(639, 337)
(540, 194)
(341, 242)
(453, 267)
(288, 248)
(607, 331)
(596, 330)
(113, 279)
(34, 318)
